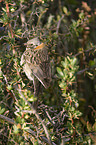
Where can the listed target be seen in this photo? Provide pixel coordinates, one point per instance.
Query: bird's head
(33, 43)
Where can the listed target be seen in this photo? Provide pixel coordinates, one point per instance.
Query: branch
(58, 24)
(10, 90)
(86, 69)
(82, 71)
(84, 51)
(11, 121)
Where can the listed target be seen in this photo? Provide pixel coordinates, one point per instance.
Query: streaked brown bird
(36, 64)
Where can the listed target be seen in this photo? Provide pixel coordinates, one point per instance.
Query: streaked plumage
(35, 62)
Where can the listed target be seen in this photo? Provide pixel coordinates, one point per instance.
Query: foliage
(66, 112)
(68, 86)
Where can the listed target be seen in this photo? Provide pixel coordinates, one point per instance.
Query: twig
(8, 15)
(82, 71)
(86, 69)
(3, 37)
(10, 90)
(58, 24)
(41, 15)
(49, 117)
(84, 51)
(11, 121)
(41, 137)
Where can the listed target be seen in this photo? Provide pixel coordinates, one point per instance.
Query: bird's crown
(33, 43)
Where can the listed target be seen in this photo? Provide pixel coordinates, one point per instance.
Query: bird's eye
(31, 44)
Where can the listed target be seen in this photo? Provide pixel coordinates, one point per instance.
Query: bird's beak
(40, 46)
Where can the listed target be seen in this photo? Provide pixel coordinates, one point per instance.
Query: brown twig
(11, 91)
(9, 24)
(58, 24)
(11, 121)
(84, 51)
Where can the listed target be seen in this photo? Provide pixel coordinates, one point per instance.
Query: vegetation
(66, 111)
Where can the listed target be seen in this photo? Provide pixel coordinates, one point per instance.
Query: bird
(36, 63)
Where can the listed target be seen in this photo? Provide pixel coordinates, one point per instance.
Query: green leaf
(64, 64)
(63, 85)
(91, 62)
(32, 98)
(81, 15)
(15, 129)
(55, 35)
(9, 87)
(2, 110)
(60, 71)
(65, 10)
(74, 61)
(1, 74)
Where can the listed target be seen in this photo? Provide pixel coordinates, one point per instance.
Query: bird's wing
(38, 73)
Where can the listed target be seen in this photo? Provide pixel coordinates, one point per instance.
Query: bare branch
(84, 51)
(58, 24)
(11, 121)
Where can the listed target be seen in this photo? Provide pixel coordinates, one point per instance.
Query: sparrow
(36, 63)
